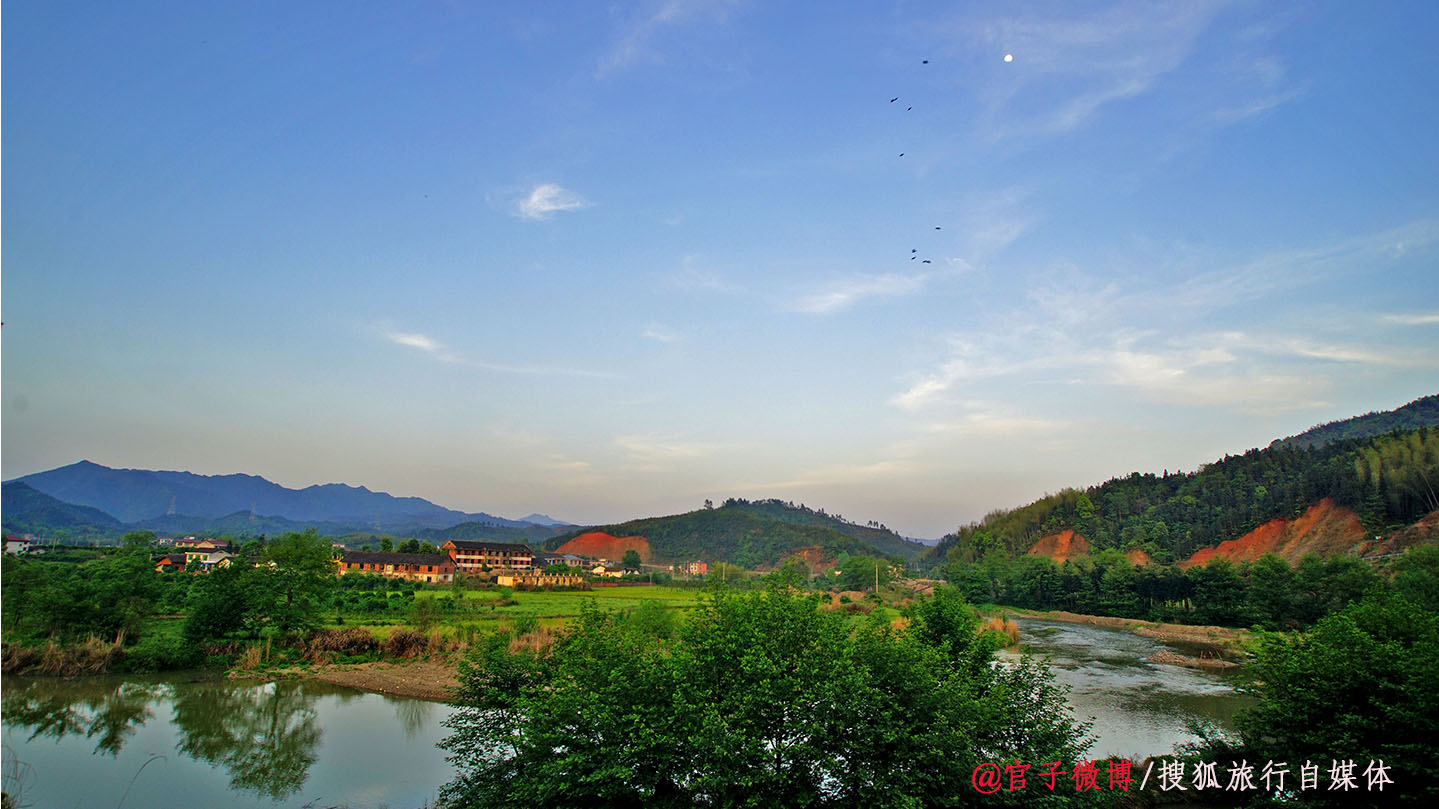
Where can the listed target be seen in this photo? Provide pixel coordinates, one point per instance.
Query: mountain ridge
(134, 496)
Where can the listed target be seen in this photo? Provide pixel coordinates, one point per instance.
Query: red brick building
(474, 557)
(427, 567)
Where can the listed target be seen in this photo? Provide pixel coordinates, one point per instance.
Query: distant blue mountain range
(142, 495)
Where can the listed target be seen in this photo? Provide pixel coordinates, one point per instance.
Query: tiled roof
(381, 558)
(501, 547)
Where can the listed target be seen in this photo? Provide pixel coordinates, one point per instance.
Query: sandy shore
(432, 679)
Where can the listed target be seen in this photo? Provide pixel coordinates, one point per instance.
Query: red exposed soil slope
(816, 558)
(1061, 546)
(600, 545)
(1426, 530)
(1325, 529)
(1138, 557)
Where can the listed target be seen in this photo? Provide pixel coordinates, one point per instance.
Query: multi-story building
(428, 567)
(475, 557)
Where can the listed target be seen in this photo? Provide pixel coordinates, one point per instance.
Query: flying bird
(926, 261)
(892, 100)
(937, 227)
(926, 61)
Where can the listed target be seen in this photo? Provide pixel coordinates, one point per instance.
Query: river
(178, 742)
(1137, 708)
(172, 742)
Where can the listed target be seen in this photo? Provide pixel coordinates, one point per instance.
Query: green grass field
(487, 610)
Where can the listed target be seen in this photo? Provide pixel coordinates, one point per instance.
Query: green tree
(220, 605)
(386, 545)
(1363, 684)
(861, 572)
(142, 540)
(761, 699)
(631, 560)
(1272, 586)
(292, 582)
(1416, 576)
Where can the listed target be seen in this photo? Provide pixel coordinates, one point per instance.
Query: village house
(206, 558)
(170, 562)
(16, 546)
(435, 568)
(540, 580)
(475, 557)
(691, 568)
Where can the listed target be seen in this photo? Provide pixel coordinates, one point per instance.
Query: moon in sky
(1009, 57)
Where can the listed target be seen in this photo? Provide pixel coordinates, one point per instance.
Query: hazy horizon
(608, 261)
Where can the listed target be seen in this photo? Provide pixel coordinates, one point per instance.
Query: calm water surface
(165, 742)
(168, 742)
(1138, 708)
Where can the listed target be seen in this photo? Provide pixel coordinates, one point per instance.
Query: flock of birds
(914, 252)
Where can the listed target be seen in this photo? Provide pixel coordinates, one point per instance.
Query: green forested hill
(1389, 480)
(491, 532)
(874, 535)
(1423, 412)
(727, 534)
(27, 510)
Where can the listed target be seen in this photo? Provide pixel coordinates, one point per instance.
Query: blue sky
(608, 260)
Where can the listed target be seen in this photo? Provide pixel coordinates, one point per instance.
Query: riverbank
(434, 678)
(1225, 642)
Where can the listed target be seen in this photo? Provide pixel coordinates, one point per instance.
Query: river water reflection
(217, 743)
(168, 742)
(1138, 708)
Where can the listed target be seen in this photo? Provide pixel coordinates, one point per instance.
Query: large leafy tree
(283, 590)
(761, 699)
(1363, 684)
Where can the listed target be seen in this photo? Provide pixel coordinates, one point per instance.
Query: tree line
(1267, 592)
(1389, 480)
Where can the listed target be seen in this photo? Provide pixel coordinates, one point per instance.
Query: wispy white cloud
(993, 422)
(635, 40)
(414, 340)
(690, 276)
(1071, 62)
(652, 452)
(434, 348)
(1066, 334)
(661, 334)
(1415, 319)
(834, 474)
(547, 198)
(839, 295)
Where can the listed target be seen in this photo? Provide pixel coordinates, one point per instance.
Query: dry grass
(441, 641)
(536, 640)
(251, 658)
(93, 656)
(352, 642)
(18, 658)
(1006, 627)
(405, 643)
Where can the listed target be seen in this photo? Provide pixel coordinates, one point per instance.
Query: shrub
(405, 643)
(160, 653)
(352, 642)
